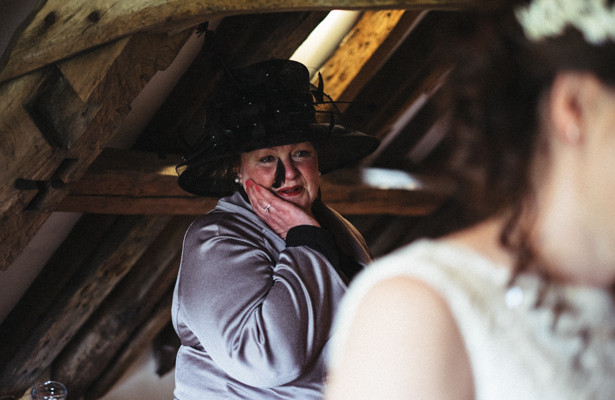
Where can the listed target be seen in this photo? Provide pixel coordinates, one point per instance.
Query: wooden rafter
(364, 50)
(93, 280)
(61, 28)
(126, 309)
(128, 182)
(50, 135)
(66, 84)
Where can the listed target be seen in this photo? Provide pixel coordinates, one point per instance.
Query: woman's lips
(290, 191)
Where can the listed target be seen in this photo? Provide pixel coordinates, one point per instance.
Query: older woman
(519, 305)
(262, 274)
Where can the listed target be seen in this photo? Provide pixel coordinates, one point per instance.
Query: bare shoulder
(410, 304)
(405, 332)
(404, 289)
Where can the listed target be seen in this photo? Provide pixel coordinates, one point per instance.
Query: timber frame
(67, 81)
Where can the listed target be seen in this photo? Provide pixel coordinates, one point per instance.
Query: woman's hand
(279, 214)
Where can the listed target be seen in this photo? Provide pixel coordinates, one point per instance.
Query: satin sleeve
(263, 316)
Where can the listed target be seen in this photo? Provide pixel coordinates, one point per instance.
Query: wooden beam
(403, 147)
(124, 311)
(133, 349)
(23, 150)
(85, 73)
(64, 263)
(116, 253)
(54, 125)
(62, 28)
(407, 76)
(363, 51)
(387, 236)
(131, 182)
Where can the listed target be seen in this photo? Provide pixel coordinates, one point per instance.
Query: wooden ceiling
(67, 81)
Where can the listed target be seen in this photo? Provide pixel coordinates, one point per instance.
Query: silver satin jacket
(254, 311)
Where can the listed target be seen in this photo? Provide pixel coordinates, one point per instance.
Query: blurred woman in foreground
(520, 305)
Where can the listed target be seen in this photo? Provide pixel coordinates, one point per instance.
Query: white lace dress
(562, 349)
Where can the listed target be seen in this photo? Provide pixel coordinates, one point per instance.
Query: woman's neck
(484, 238)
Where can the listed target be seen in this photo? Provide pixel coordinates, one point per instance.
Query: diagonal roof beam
(58, 29)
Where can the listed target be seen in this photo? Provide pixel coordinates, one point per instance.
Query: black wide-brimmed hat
(267, 104)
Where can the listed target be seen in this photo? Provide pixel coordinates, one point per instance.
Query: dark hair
(492, 96)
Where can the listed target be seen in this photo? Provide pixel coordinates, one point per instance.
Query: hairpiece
(541, 19)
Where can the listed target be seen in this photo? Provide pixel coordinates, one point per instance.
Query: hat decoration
(267, 104)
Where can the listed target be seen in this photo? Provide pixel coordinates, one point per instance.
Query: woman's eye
(267, 159)
(302, 153)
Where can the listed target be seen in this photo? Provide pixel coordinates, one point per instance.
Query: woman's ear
(572, 97)
(565, 108)
(237, 172)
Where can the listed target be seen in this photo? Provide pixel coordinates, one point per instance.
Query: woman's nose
(291, 170)
(285, 171)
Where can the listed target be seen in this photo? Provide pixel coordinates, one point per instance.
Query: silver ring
(267, 208)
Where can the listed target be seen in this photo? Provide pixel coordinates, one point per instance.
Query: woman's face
(289, 171)
(597, 173)
(581, 200)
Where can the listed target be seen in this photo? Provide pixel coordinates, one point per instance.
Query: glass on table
(50, 390)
